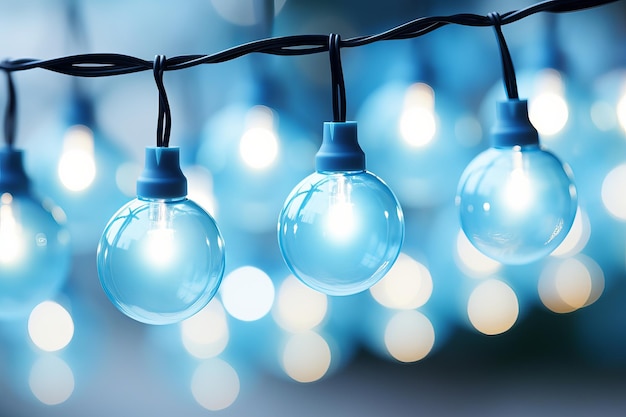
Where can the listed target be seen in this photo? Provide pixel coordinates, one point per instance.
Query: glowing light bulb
(517, 201)
(341, 228)
(161, 256)
(77, 166)
(34, 247)
(417, 124)
(547, 108)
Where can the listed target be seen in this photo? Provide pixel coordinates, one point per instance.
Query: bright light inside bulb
(11, 241)
(417, 125)
(258, 146)
(518, 191)
(341, 222)
(77, 166)
(160, 247)
(547, 109)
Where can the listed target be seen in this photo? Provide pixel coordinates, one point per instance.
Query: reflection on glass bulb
(512, 214)
(417, 124)
(341, 232)
(161, 256)
(77, 166)
(547, 108)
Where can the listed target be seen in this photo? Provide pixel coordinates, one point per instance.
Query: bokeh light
(206, 333)
(547, 108)
(247, 293)
(417, 124)
(577, 238)
(51, 380)
(215, 384)
(77, 165)
(493, 307)
(471, 261)
(306, 357)
(570, 284)
(407, 285)
(258, 146)
(409, 336)
(50, 326)
(243, 12)
(613, 192)
(299, 307)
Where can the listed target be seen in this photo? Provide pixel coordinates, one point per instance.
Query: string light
(347, 202)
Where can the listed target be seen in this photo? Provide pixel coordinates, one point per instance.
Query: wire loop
(337, 80)
(508, 71)
(10, 111)
(164, 121)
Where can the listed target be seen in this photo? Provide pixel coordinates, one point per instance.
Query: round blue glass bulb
(161, 256)
(517, 201)
(34, 246)
(341, 229)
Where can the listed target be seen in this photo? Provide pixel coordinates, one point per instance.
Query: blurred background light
(409, 336)
(50, 326)
(306, 356)
(206, 334)
(51, 380)
(215, 384)
(492, 307)
(298, 307)
(247, 293)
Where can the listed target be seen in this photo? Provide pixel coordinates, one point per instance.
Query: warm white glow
(340, 221)
(258, 145)
(570, 284)
(243, 12)
(77, 166)
(518, 191)
(51, 380)
(613, 192)
(247, 293)
(547, 108)
(471, 260)
(50, 326)
(577, 237)
(160, 248)
(11, 240)
(409, 336)
(299, 307)
(492, 307)
(621, 109)
(206, 333)
(417, 125)
(215, 384)
(407, 285)
(306, 357)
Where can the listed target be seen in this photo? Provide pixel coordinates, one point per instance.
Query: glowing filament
(77, 166)
(11, 242)
(518, 192)
(340, 222)
(160, 247)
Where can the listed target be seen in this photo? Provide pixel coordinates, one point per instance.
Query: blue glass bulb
(161, 256)
(341, 229)
(517, 201)
(34, 247)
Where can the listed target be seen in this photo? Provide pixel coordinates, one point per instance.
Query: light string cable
(108, 64)
(508, 71)
(337, 80)
(9, 113)
(164, 121)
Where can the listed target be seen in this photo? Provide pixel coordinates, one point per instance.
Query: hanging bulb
(341, 228)
(517, 201)
(34, 247)
(161, 256)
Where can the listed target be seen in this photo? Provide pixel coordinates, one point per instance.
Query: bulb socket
(513, 127)
(340, 150)
(13, 177)
(162, 177)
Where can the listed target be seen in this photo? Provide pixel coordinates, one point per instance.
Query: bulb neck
(340, 150)
(162, 178)
(513, 127)
(13, 177)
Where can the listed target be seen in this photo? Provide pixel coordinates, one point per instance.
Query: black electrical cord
(99, 65)
(508, 71)
(337, 80)
(9, 114)
(164, 121)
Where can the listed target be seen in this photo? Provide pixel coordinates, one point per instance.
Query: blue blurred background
(446, 332)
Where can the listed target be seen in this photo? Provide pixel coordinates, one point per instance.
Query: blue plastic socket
(340, 150)
(513, 127)
(162, 177)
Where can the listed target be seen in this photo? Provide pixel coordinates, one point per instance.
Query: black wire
(337, 81)
(164, 121)
(508, 71)
(100, 65)
(10, 112)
